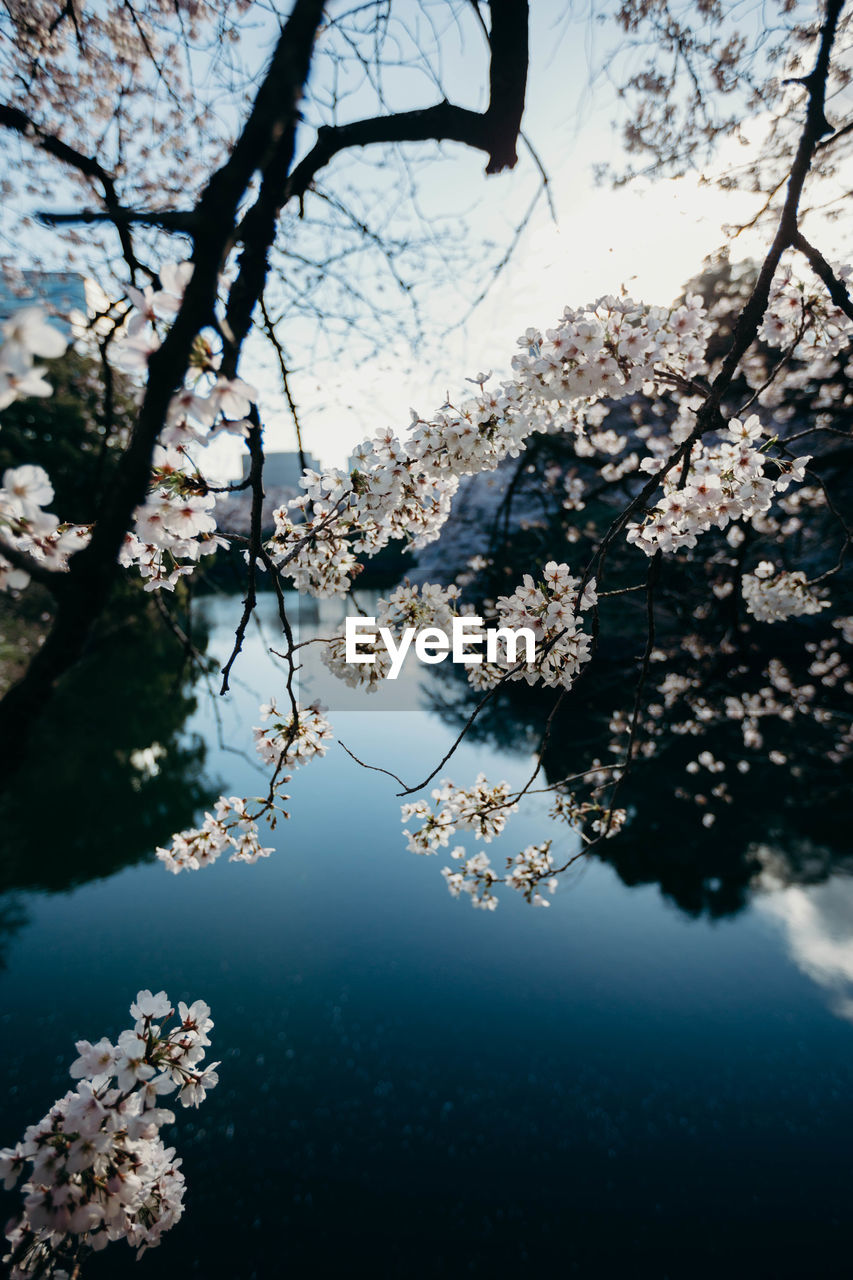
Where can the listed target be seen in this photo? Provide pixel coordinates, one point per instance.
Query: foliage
(77, 435)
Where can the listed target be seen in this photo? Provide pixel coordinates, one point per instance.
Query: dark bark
(91, 573)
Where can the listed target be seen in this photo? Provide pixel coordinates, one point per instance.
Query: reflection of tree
(802, 808)
(109, 774)
(13, 917)
(738, 731)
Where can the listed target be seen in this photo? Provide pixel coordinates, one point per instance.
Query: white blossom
(771, 597)
(99, 1171)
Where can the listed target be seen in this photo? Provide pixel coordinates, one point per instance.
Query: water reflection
(115, 753)
(817, 921)
(110, 770)
(609, 1087)
(804, 809)
(13, 917)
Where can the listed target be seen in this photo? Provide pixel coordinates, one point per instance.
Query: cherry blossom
(770, 596)
(284, 740)
(99, 1170)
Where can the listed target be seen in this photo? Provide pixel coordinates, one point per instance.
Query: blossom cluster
(725, 481)
(230, 827)
(29, 528)
(26, 335)
(427, 605)
(176, 524)
(552, 610)
(283, 741)
(142, 336)
(474, 876)
(403, 489)
(771, 713)
(612, 348)
(482, 808)
(529, 872)
(208, 404)
(312, 547)
(388, 495)
(174, 527)
(829, 665)
(796, 311)
(772, 596)
(531, 868)
(26, 491)
(575, 489)
(592, 819)
(97, 1168)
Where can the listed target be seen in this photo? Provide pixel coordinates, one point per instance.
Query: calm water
(412, 1088)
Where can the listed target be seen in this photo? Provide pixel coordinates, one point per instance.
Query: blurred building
(282, 470)
(282, 473)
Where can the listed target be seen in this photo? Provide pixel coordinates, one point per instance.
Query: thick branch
(814, 129)
(819, 265)
(709, 417)
(17, 120)
(494, 131)
(440, 123)
(256, 483)
(91, 572)
(508, 42)
(168, 219)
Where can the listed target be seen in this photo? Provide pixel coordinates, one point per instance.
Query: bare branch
(17, 120)
(494, 131)
(167, 219)
(835, 287)
(256, 483)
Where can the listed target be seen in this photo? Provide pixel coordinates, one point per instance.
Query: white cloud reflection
(817, 921)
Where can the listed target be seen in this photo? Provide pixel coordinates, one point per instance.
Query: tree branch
(819, 265)
(167, 219)
(36, 570)
(494, 131)
(17, 120)
(256, 483)
(273, 118)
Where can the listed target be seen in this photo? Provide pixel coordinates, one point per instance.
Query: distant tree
(77, 435)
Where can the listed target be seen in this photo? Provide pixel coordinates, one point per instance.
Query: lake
(412, 1088)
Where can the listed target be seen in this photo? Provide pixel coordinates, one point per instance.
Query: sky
(650, 236)
(652, 239)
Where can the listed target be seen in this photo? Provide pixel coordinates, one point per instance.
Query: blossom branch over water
(702, 469)
(96, 1167)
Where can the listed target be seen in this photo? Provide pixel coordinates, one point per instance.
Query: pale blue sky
(650, 236)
